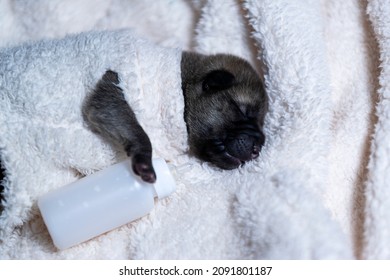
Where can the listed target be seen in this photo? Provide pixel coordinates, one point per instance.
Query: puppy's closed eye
(218, 80)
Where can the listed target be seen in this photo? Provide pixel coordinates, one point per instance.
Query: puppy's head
(225, 104)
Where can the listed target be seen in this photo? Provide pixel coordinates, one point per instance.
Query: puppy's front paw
(142, 166)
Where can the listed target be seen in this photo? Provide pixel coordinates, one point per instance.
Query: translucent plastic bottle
(101, 202)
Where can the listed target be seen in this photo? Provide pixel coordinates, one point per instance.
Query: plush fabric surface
(319, 188)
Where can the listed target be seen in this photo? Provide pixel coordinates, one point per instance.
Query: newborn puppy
(225, 105)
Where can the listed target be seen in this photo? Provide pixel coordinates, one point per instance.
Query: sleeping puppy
(225, 104)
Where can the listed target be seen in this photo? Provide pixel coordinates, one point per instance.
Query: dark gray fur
(108, 114)
(225, 104)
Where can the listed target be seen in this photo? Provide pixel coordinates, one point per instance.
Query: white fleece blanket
(319, 188)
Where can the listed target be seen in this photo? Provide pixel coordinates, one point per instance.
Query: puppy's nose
(243, 147)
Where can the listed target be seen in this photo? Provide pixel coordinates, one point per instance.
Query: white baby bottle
(101, 202)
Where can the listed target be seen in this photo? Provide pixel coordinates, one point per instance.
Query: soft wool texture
(377, 224)
(45, 142)
(319, 188)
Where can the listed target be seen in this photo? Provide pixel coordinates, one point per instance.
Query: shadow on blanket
(1, 186)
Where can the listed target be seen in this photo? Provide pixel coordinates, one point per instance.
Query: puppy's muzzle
(244, 147)
(244, 142)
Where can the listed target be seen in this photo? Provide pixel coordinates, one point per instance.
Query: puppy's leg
(108, 114)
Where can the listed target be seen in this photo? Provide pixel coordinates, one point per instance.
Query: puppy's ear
(218, 80)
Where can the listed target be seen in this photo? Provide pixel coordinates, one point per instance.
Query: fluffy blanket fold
(318, 190)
